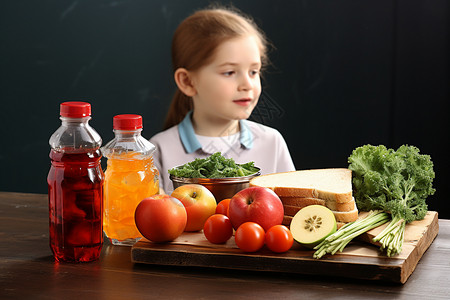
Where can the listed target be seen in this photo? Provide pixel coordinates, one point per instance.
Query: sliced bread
(333, 205)
(302, 201)
(346, 216)
(328, 184)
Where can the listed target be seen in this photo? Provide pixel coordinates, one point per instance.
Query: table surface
(28, 270)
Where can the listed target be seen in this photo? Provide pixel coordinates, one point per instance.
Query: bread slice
(292, 210)
(328, 184)
(347, 206)
(346, 216)
(302, 202)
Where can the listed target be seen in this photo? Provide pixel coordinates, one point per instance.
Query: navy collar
(191, 143)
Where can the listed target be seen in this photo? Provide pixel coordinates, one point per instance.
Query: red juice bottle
(75, 187)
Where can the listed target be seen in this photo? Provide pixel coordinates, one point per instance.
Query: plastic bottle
(130, 177)
(75, 187)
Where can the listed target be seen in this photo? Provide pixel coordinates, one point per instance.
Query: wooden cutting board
(359, 259)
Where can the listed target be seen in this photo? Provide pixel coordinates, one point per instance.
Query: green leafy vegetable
(393, 182)
(214, 166)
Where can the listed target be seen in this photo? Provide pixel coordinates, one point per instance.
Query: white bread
(328, 184)
(292, 210)
(346, 216)
(348, 206)
(302, 202)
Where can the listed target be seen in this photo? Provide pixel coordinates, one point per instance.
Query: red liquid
(75, 194)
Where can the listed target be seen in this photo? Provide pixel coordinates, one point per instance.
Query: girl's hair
(194, 44)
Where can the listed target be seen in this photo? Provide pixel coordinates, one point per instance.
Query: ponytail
(180, 106)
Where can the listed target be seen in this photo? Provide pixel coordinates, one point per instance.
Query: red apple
(199, 202)
(160, 218)
(256, 204)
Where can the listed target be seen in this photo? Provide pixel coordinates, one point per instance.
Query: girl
(217, 56)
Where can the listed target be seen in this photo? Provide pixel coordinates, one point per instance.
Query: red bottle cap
(127, 122)
(75, 109)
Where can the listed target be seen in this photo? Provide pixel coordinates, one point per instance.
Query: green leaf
(214, 166)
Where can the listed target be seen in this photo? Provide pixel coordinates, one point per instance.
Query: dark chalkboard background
(345, 73)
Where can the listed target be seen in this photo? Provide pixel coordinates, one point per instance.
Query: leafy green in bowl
(214, 166)
(222, 176)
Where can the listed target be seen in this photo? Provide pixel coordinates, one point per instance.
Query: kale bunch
(397, 182)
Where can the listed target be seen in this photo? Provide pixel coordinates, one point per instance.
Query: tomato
(218, 229)
(279, 238)
(249, 237)
(222, 207)
(160, 218)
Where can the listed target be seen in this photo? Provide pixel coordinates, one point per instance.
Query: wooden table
(27, 270)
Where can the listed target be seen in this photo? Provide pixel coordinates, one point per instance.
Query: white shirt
(212, 144)
(263, 145)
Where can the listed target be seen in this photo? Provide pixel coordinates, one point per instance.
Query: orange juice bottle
(130, 176)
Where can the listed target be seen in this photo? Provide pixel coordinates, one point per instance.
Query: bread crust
(302, 202)
(346, 216)
(312, 193)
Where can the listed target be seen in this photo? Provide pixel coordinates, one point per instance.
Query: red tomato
(279, 238)
(222, 207)
(218, 229)
(160, 218)
(249, 237)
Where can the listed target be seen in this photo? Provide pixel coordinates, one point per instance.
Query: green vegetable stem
(394, 182)
(338, 240)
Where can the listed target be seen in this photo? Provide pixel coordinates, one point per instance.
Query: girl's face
(228, 87)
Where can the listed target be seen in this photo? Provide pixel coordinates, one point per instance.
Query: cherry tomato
(249, 237)
(279, 238)
(218, 229)
(222, 207)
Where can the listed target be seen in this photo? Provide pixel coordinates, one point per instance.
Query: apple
(199, 202)
(160, 218)
(256, 204)
(312, 224)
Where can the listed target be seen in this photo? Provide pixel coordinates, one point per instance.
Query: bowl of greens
(222, 176)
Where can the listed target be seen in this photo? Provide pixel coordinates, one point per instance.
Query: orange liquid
(128, 180)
